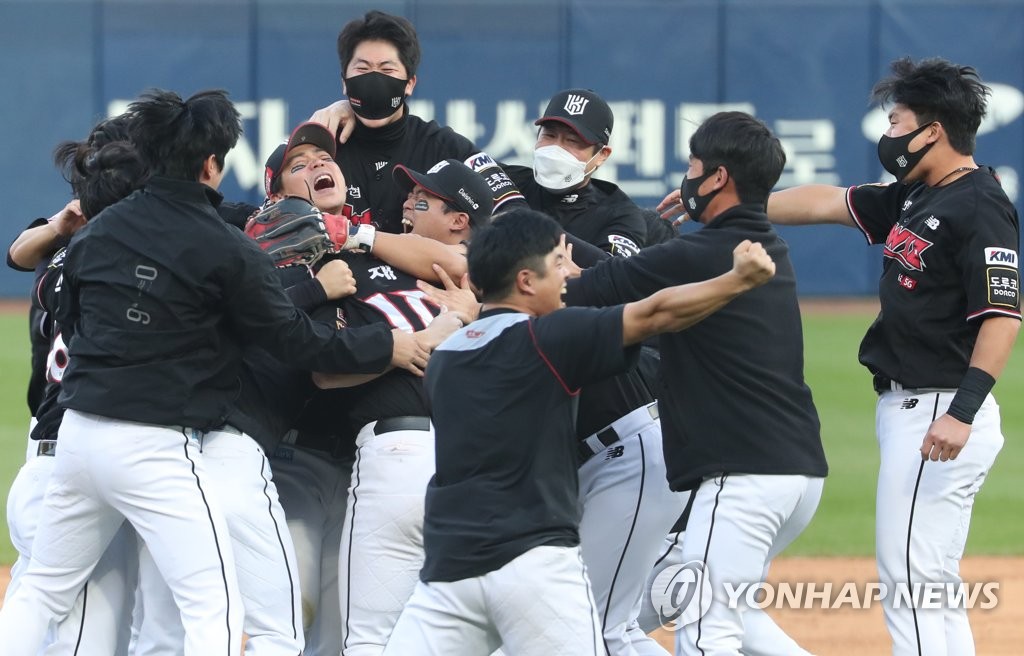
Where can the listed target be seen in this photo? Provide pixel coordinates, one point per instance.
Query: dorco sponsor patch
(1003, 287)
(1001, 256)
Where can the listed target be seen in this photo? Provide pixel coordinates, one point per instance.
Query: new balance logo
(908, 404)
(614, 452)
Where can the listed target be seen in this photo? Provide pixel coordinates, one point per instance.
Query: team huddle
(424, 402)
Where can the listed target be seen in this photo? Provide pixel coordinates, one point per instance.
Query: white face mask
(555, 168)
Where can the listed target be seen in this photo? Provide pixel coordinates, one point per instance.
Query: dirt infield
(855, 632)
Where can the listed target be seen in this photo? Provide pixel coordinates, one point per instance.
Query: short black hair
(516, 240)
(176, 136)
(103, 168)
(747, 149)
(938, 90)
(379, 26)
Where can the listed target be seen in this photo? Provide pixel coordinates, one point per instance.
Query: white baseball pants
(538, 604)
(382, 536)
(106, 471)
(314, 490)
(738, 524)
(628, 509)
(923, 514)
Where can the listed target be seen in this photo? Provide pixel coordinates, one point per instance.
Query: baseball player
(501, 529)
(379, 55)
(311, 466)
(152, 362)
(388, 418)
(95, 623)
(622, 470)
(739, 423)
(950, 300)
(572, 144)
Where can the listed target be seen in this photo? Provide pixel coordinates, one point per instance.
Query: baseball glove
(292, 231)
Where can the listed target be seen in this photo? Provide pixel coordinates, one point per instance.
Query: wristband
(973, 390)
(361, 237)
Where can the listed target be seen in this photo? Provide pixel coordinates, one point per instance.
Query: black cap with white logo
(582, 110)
(456, 184)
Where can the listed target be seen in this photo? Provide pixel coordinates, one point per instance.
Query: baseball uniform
(501, 532)
(950, 262)
(739, 423)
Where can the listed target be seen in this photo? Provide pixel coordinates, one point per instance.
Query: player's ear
(459, 221)
(524, 282)
(410, 85)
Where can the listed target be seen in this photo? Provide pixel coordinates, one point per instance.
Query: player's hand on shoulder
(408, 352)
(945, 439)
(336, 115)
(68, 221)
(337, 280)
(752, 263)
(454, 297)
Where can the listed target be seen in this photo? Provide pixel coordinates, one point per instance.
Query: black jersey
(40, 323)
(602, 215)
(734, 398)
(502, 391)
(384, 295)
(950, 260)
(159, 295)
(370, 155)
(598, 213)
(49, 413)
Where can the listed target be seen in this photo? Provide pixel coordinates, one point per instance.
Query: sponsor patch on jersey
(1003, 287)
(906, 282)
(475, 334)
(1001, 257)
(623, 246)
(906, 247)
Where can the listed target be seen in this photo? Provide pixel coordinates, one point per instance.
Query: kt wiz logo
(906, 247)
(681, 594)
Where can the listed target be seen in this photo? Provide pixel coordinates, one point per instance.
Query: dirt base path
(855, 632)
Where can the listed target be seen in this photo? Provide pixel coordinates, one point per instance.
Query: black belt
(883, 383)
(606, 437)
(392, 424)
(46, 448)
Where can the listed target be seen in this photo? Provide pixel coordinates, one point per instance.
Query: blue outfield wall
(804, 66)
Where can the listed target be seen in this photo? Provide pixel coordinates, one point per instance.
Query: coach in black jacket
(739, 423)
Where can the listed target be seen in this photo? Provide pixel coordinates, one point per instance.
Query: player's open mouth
(406, 224)
(322, 182)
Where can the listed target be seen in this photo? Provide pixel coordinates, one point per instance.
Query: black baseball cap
(582, 110)
(305, 133)
(456, 184)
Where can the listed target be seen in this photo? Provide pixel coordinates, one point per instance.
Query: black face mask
(693, 203)
(894, 156)
(375, 95)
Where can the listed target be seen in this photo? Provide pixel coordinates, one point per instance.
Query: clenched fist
(752, 263)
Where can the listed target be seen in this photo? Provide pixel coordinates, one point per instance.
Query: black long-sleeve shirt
(734, 397)
(159, 296)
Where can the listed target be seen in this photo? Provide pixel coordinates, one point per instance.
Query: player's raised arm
(675, 308)
(808, 204)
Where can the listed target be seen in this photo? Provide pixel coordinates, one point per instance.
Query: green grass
(844, 524)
